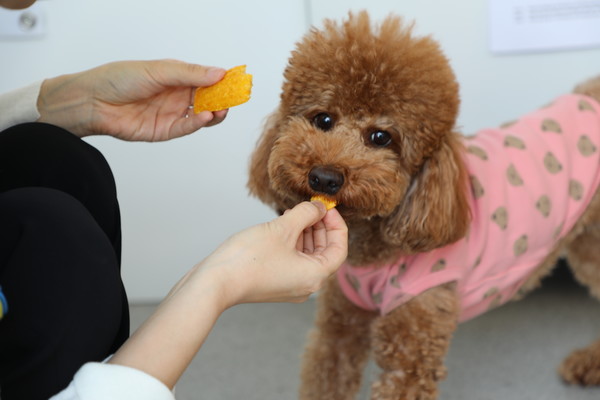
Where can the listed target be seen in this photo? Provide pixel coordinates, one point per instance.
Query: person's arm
(287, 259)
(166, 342)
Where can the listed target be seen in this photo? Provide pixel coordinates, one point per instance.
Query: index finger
(336, 250)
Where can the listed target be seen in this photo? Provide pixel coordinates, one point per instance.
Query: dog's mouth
(345, 209)
(348, 207)
(293, 198)
(354, 199)
(327, 200)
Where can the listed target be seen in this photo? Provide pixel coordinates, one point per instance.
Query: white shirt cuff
(19, 106)
(98, 381)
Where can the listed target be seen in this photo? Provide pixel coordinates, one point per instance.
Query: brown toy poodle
(441, 227)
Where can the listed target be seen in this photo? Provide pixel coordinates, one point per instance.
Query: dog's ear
(435, 210)
(258, 181)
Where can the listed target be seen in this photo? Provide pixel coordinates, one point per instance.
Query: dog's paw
(582, 367)
(397, 385)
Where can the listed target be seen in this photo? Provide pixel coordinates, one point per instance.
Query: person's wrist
(206, 278)
(64, 101)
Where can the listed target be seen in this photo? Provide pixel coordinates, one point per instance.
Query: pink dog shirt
(530, 181)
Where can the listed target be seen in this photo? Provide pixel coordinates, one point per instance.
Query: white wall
(181, 199)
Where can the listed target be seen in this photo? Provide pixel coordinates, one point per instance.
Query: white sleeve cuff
(98, 381)
(19, 106)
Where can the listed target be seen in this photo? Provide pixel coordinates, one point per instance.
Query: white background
(180, 199)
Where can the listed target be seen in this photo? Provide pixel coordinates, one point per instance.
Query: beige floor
(508, 354)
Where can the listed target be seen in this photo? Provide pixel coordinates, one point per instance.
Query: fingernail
(320, 205)
(215, 72)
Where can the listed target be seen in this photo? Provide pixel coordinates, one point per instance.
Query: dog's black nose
(325, 180)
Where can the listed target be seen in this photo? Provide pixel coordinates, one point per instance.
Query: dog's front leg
(410, 344)
(338, 348)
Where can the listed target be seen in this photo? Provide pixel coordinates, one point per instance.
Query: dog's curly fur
(406, 198)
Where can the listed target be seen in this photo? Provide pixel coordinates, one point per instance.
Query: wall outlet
(29, 23)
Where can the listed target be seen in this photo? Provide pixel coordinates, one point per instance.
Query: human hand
(286, 259)
(130, 100)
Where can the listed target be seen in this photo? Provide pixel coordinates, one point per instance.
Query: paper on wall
(543, 25)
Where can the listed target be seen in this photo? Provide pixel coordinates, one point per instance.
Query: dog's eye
(323, 121)
(380, 138)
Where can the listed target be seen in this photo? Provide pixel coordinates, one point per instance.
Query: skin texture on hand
(286, 259)
(130, 100)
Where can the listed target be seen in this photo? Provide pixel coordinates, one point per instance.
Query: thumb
(178, 73)
(302, 216)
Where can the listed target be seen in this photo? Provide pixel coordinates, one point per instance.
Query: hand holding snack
(130, 100)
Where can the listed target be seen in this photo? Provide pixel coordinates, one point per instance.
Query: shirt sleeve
(19, 106)
(99, 381)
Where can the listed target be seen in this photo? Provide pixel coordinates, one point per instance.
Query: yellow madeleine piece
(329, 203)
(233, 90)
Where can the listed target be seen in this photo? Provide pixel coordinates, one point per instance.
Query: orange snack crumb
(233, 90)
(329, 203)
